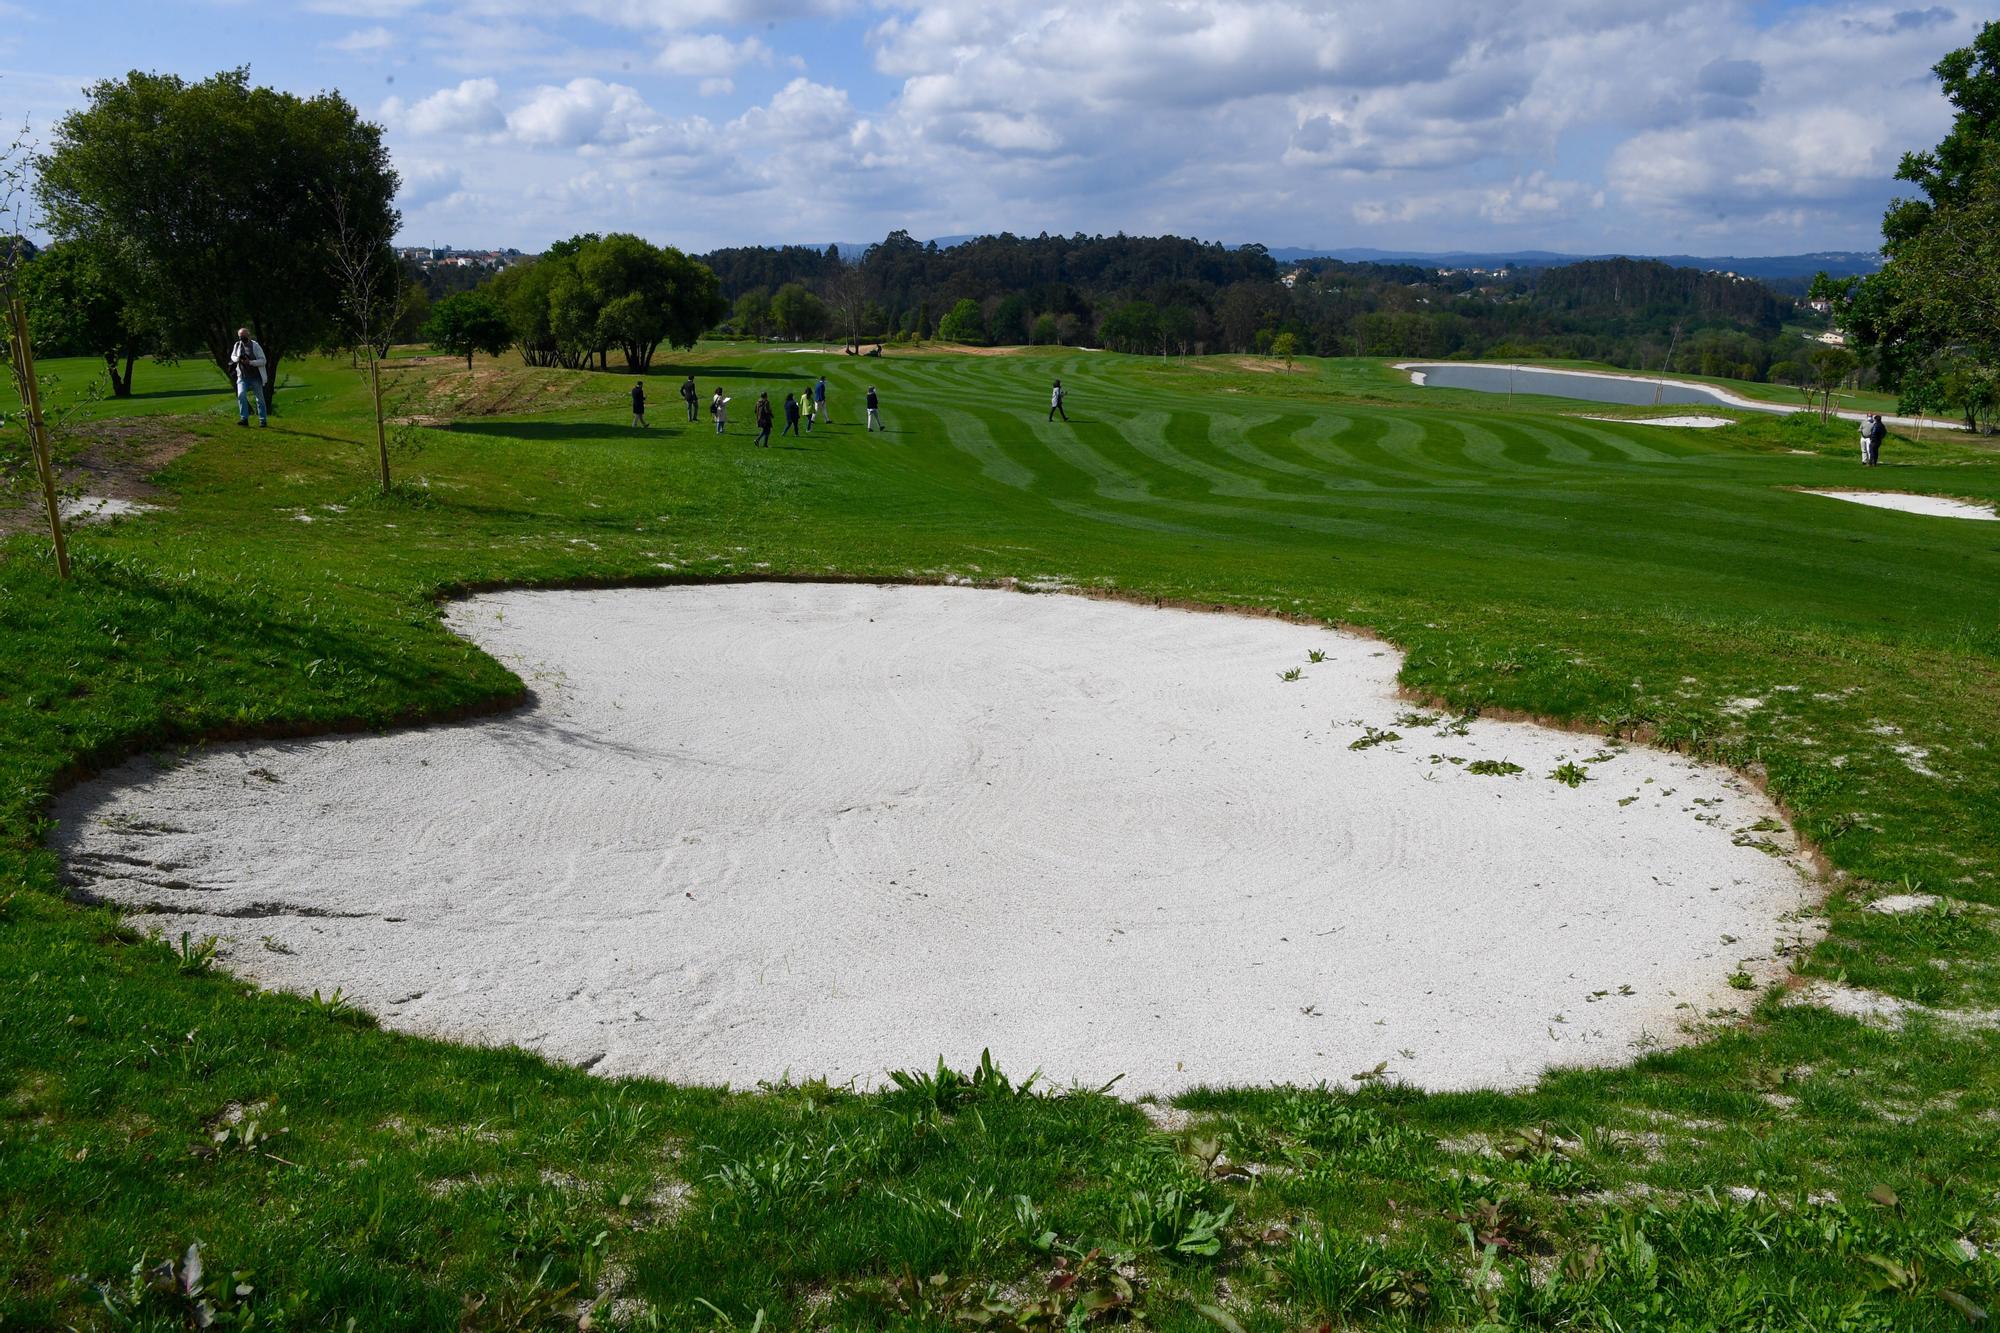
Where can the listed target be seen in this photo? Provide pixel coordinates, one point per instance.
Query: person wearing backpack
(718, 408)
(246, 362)
(690, 395)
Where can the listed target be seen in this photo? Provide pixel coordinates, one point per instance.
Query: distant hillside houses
(444, 256)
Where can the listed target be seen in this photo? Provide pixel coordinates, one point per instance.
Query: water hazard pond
(1629, 392)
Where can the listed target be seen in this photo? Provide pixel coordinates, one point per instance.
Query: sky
(1722, 128)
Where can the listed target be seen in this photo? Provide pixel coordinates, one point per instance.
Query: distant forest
(1175, 296)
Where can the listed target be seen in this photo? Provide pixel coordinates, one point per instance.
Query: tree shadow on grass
(567, 430)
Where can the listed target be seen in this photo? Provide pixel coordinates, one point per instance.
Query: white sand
(1937, 506)
(100, 508)
(834, 830)
(1690, 423)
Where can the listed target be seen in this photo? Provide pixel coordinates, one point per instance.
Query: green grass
(1632, 580)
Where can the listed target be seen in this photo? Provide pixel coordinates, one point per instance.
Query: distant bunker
(750, 832)
(1587, 386)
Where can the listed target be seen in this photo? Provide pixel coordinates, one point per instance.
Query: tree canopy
(1933, 312)
(79, 306)
(591, 293)
(468, 322)
(217, 199)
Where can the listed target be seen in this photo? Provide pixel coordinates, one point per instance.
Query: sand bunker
(745, 831)
(1937, 506)
(1690, 423)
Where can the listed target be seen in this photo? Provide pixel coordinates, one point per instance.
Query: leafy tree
(1132, 327)
(1045, 333)
(645, 295)
(415, 312)
(468, 322)
(1009, 325)
(1933, 311)
(1949, 173)
(1285, 345)
(963, 323)
(1829, 368)
(523, 291)
(215, 196)
(753, 313)
(798, 313)
(78, 306)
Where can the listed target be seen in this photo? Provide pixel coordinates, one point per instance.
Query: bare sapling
(373, 303)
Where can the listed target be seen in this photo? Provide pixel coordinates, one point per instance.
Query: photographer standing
(246, 360)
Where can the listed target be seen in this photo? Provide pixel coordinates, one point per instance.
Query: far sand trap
(1937, 506)
(1690, 423)
(756, 830)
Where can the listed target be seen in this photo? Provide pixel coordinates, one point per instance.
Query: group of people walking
(802, 413)
(806, 410)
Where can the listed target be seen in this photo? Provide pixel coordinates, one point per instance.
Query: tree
(39, 434)
(1132, 327)
(214, 195)
(371, 296)
(798, 313)
(468, 322)
(1285, 345)
(1933, 311)
(1829, 366)
(963, 323)
(1008, 326)
(78, 306)
(644, 295)
(1045, 333)
(753, 313)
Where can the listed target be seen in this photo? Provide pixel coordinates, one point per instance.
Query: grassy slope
(1624, 577)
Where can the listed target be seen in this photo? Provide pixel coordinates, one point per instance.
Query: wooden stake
(38, 430)
(381, 436)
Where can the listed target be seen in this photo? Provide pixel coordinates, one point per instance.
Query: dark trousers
(791, 426)
(1055, 409)
(690, 403)
(764, 434)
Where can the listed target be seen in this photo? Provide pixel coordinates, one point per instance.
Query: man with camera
(246, 362)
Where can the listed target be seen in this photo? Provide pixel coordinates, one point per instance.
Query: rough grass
(1798, 1170)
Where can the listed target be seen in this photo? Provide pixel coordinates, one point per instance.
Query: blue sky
(1583, 125)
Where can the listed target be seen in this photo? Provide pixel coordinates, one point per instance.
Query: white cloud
(473, 107)
(1586, 124)
(374, 41)
(711, 55)
(584, 113)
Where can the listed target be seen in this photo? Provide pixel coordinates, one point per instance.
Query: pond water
(1562, 384)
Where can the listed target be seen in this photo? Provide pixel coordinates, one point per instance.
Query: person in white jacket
(246, 361)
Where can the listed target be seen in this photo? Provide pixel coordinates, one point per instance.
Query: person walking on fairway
(874, 417)
(806, 406)
(690, 395)
(1873, 432)
(246, 362)
(1056, 402)
(718, 408)
(763, 415)
(819, 399)
(639, 405)
(791, 416)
